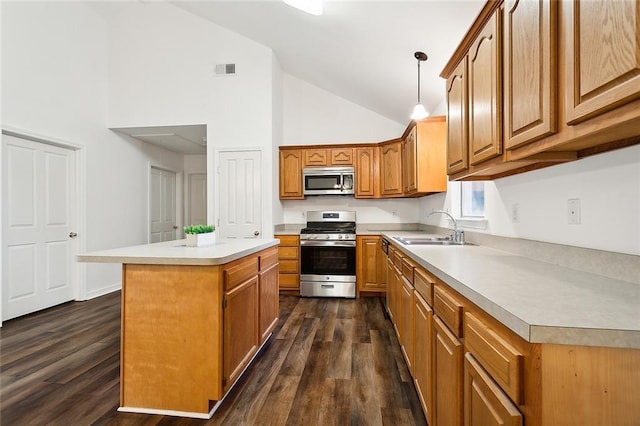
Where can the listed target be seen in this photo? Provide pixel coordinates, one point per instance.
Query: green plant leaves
(198, 229)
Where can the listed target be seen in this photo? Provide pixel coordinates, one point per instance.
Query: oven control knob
(327, 237)
(340, 236)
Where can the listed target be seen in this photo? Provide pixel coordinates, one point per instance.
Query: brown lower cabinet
(423, 354)
(289, 259)
(448, 352)
(485, 404)
(468, 368)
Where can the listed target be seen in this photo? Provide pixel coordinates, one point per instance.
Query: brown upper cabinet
(328, 157)
(391, 169)
(367, 172)
(540, 82)
(457, 142)
(315, 157)
(410, 166)
(424, 157)
(485, 90)
(291, 174)
(529, 49)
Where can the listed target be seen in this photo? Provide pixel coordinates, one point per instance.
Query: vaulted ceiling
(361, 51)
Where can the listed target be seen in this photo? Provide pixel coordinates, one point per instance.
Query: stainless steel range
(328, 254)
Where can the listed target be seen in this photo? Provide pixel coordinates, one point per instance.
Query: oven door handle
(309, 243)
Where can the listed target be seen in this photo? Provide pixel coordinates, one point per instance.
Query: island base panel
(171, 334)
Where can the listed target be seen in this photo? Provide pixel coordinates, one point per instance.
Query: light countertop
(176, 252)
(541, 302)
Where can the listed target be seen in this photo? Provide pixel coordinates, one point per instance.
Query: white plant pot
(200, 240)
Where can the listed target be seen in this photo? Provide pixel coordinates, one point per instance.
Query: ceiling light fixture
(314, 7)
(418, 111)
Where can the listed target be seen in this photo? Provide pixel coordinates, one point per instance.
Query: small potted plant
(200, 235)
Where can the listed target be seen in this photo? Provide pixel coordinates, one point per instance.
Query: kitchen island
(193, 319)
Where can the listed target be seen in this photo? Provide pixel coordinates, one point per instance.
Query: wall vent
(225, 69)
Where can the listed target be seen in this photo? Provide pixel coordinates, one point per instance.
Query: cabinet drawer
(289, 281)
(289, 266)
(423, 282)
(288, 252)
(407, 269)
(449, 309)
(239, 273)
(501, 360)
(268, 258)
(289, 240)
(397, 259)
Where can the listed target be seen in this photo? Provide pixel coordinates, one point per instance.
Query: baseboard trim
(104, 290)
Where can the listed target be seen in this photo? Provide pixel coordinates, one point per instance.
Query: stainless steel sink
(432, 240)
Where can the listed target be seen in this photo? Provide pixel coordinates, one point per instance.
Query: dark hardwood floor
(329, 362)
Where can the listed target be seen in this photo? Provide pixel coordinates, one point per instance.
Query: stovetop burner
(338, 225)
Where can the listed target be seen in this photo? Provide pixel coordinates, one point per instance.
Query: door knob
(72, 235)
(175, 227)
(256, 233)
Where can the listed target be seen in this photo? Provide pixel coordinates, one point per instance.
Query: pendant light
(418, 111)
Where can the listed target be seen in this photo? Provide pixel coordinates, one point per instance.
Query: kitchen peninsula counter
(193, 319)
(539, 301)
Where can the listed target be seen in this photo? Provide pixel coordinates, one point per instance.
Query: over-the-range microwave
(328, 180)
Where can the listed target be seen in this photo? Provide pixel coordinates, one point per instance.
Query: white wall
(161, 71)
(367, 211)
(55, 82)
(608, 186)
(278, 126)
(315, 116)
(195, 163)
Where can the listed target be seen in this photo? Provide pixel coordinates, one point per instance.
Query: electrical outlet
(573, 211)
(515, 212)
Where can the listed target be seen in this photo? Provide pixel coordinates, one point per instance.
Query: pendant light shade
(418, 111)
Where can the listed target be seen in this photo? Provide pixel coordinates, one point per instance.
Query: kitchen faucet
(457, 235)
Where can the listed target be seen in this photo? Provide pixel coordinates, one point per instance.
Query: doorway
(239, 194)
(39, 225)
(162, 205)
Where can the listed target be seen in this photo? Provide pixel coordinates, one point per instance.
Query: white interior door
(197, 199)
(240, 196)
(38, 195)
(162, 209)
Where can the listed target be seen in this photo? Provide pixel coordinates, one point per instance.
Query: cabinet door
(366, 172)
(390, 295)
(409, 170)
(391, 169)
(602, 62)
(485, 93)
(291, 174)
(341, 157)
(406, 331)
(315, 157)
(457, 102)
(484, 402)
(241, 336)
(268, 300)
(423, 354)
(381, 266)
(529, 71)
(448, 376)
(367, 274)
